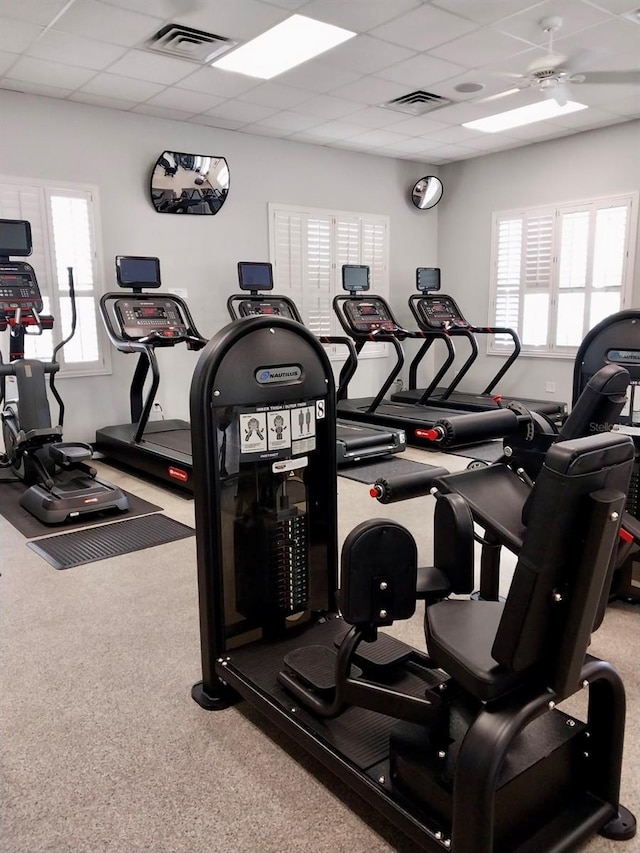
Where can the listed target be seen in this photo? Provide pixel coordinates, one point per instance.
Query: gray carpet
(104, 750)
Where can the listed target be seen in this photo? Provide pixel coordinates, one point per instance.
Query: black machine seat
(560, 584)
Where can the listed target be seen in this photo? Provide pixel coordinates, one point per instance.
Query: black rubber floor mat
(109, 540)
(383, 468)
(30, 527)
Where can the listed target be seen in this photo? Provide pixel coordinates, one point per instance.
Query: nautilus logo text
(272, 375)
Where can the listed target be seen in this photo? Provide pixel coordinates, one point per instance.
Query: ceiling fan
(553, 74)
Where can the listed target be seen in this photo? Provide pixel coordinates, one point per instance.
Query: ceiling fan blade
(630, 77)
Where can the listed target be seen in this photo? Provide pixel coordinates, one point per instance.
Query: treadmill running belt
(174, 439)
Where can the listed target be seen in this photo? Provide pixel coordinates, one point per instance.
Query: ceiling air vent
(187, 43)
(417, 103)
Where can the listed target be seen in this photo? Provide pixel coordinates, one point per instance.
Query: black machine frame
(245, 661)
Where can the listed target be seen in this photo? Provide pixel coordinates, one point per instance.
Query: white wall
(590, 164)
(51, 139)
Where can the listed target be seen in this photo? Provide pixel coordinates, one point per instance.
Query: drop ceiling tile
(448, 153)
(317, 76)
(629, 106)
(378, 138)
(100, 101)
(416, 125)
(16, 36)
(616, 7)
(215, 121)
(288, 121)
(479, 47)
(263, 130)
(152, 67)
(242, 112)
(349, 145)
(336, 130)
(424, 28)
(189, 102)
(161, 112)
(156, 8)
(601, 94)
(615, 35)
(358, 15)
(6, 60)
(88, 17)
(411, 145)
(124, 88)
(85, 53)
(575, 16)
(420, 71)
(214, 81)
(375, 117)
(36, 11)
(371, 91)
(49, 73)
(274, 95)
(366, 55)
(294, 5)
(236, 19)
(456, 135)
(487, 141)
(308, 137)
(34, 88)
(486, 12)
(327, 107)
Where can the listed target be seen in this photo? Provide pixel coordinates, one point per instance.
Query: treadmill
(141, 322)
(440, 314)
(366, 317)
(355, 442)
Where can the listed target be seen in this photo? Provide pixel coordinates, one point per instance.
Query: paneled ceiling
(94, 52)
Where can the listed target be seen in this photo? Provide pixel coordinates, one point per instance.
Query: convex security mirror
(189, 183)
(427, 192)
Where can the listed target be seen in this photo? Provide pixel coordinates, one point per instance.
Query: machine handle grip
(388, 490)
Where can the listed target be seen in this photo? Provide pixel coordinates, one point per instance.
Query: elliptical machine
(61, 485)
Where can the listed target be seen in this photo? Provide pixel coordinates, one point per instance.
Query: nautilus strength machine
(437, 313)
(355, 442)
(464, 749)
(616, 341)
(142, 322)
(61, 485)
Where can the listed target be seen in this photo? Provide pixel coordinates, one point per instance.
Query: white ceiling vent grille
(417, 103)
(187, 43)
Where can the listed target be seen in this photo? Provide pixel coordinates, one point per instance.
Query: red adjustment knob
(429, 434)
(497, 399)
(376, 491)
(625, 535)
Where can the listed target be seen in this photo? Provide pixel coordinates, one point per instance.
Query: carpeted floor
(104, 750)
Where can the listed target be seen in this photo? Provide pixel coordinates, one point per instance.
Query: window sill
(560, 356)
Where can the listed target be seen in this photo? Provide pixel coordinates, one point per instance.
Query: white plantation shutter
(308, 249)
(63, 235)
(557, 272)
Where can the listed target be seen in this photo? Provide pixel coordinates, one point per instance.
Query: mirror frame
(419, 192)
(207, 203)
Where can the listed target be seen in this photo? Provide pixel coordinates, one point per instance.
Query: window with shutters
(308, 248)
(63, 226)
(556, 272)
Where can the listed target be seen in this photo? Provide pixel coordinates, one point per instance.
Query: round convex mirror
(427, 192)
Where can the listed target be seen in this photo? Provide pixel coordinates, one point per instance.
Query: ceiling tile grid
(95, 52)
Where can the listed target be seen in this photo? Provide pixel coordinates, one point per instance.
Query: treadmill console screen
(19, 288)
(15, 238)
(440, 312)
(368, 316)
(355, 278)
(255, 276)
(137, 271)
(266, 308)
(138, 318)
(428, 279)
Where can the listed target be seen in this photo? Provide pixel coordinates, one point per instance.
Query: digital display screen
(428, 278)
(137, 271)
(368, 310)
(255, 276)
(152, 312)
(15, 238)
(355, 277)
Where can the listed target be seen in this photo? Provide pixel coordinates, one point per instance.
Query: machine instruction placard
(278, 432)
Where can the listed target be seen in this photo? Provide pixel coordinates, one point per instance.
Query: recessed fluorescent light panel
(524, 115)
(282, 47)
